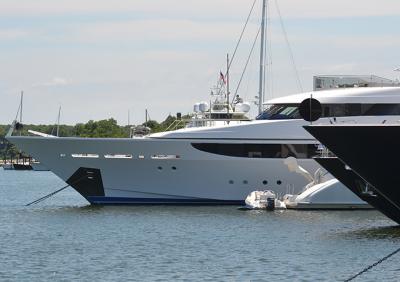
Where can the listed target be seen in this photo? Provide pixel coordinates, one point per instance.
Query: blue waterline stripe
(141, 201)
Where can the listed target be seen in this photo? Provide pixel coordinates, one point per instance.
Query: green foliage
(154, 125)
(102, 128)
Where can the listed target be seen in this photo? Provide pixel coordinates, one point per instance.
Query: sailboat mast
(261, 91)
(227, 84)
(58, 120)
(21, 103)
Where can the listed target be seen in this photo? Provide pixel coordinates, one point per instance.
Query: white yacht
(209, 165)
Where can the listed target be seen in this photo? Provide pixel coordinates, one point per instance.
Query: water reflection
(378, 233)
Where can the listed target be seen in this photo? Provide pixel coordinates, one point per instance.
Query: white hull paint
(329, 206)
(198, 176)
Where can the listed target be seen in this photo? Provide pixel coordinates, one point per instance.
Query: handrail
(174, 125)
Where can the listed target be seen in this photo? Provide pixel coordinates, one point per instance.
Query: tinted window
(383, 110)
(291, 111)
(300, 151)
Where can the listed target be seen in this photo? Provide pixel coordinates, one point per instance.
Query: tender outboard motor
(270, 204)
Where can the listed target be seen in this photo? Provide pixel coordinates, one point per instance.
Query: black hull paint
(372, 152)
(87, 182)
(358, 186)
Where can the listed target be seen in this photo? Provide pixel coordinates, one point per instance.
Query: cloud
(206, 8)
(50, 7)
(56, 81)
(161, 29)
(13, 33)
(338, 8)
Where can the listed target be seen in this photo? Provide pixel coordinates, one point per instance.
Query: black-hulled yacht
(367, 161)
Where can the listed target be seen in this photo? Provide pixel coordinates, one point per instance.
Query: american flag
(222, 77)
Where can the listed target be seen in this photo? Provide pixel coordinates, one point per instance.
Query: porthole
(231, 182)
(265, 182)
(279, 182)
(173, 168)
(245, 182)
(159, 168)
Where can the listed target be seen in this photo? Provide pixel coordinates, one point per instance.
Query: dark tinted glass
(300, 151)
(383, 110)
(291, 111)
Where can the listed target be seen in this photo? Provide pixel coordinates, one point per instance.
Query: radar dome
(243, 107)
(196, 107)
(203, 107)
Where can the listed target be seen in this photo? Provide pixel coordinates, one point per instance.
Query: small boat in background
(17, 166)
(263, 200)
(8, 166)
(22, 166)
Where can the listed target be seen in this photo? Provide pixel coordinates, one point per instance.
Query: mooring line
(372, 265)
(55, 192)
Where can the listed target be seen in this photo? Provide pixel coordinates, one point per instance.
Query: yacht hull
(159, 171)
(370, 152)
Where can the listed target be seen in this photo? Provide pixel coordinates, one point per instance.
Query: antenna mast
(261, 91)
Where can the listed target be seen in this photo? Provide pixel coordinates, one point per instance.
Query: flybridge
(326, 82)
(366, 95)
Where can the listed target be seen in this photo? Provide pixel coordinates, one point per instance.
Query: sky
(99, 59)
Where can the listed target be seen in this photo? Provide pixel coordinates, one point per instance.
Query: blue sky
(99, 59)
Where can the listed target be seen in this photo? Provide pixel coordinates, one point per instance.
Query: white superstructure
(325, 82)
(207, 165)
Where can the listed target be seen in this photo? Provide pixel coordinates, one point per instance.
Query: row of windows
(264, 182)
(339, 110)
(300, 151)
(122, 156)
(291, 111)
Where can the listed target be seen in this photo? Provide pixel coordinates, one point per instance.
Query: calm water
(63, 238)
